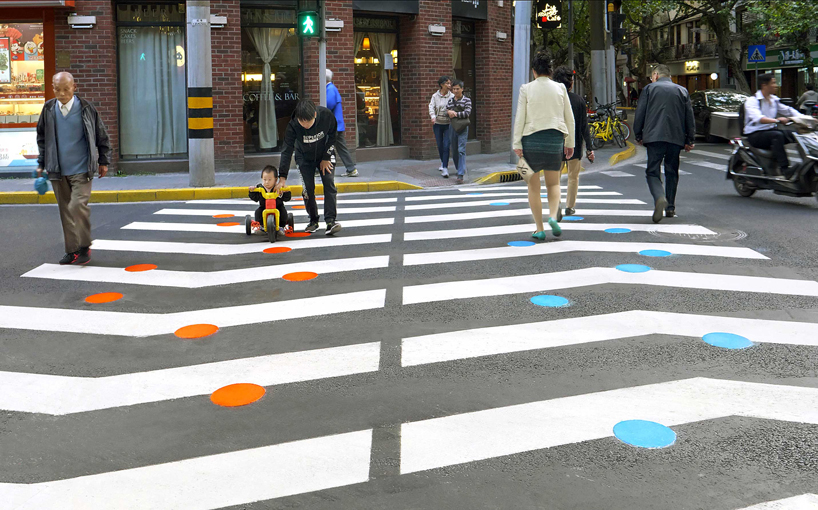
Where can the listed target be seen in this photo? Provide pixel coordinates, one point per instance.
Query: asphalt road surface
(409, 362)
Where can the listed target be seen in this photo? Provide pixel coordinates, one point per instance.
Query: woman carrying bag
(459, 111)
(543, 133)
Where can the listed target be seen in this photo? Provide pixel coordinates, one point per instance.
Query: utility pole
(322, 53)
(522, 57)
(200, 94)
(570, 34)
(599, 73)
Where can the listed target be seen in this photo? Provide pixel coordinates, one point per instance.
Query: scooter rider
(762, 113)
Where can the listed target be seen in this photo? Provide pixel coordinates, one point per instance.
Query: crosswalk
(398, 257)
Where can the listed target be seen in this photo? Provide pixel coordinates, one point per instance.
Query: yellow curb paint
(495, 177)
(175, 194)
(104, 196)
(141, 195)
(211, 193)
(19, 197)
(48, 198)
(623, 155)
(353, 187)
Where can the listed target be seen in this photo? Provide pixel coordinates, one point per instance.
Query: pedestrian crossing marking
(716, 155)
(505, 213)
(480, 435)
(428, 198)
(473, 343)
(645, 166)
(236, 249)
(62, 395)
(201, 279)
(134, 324)
(710, 164)
(464, 289)
(506, 252)
(432, 235)
(802, 502)
(512, 187)
(209, 482)
(247, 201)
(617, 173)
(487, 203)
(237, 229)
(251, 212)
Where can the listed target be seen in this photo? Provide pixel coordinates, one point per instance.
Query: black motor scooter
(752, 169)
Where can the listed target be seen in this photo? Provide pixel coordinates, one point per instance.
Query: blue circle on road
(499, 203)
(633, 268)
(573, 218)
(617, 230)
(549, 301)
(521, 243)
(727, 340)
(475, 194)
(644, 434)
(655, 253)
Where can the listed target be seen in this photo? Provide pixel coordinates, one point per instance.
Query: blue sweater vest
(72, 144)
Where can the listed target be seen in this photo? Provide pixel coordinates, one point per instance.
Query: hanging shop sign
(791, 57)
(549, 13)
(691, 65)
(472, 9)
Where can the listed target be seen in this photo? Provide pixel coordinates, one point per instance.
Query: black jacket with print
(312, 145)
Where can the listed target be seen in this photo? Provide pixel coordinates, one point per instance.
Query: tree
(557, 40)
(787, 22)
(644, 18)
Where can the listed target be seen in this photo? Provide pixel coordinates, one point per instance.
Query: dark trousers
(343, 151)
(773, 139)
(72, 193)
(282, 213)
(669, 153)
(458, 147)
(444, 140)
(307, 169)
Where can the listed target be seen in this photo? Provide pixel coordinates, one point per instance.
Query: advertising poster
(25, 40)
(5, 60)
(18, 148)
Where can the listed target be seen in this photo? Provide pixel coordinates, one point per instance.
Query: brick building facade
(95, 57)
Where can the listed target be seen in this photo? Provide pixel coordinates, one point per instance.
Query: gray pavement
(727, 455)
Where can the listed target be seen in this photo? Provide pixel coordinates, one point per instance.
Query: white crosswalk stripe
(802, 502)
(241, 214)
(505, 213)
(567, 226)
(716, 155)
(236, 229)
(510, 187)
(246, 201)
(429, 198)
(617, 173)
(488, 203)
(710, 164)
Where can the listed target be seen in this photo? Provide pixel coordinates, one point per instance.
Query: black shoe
(333, 228)
(559, 214)
(658, 209)
(670, 213)
(69, 258)
(569, 211)
(83, 256)
(312, 227)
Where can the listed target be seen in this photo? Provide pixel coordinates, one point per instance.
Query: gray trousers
(343, 151)
(73, 193)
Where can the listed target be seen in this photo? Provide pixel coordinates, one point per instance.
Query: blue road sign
(757, 53)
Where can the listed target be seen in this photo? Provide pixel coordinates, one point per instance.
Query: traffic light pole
(522, 58)
(599, 73)
(322, 54)
(200, 95)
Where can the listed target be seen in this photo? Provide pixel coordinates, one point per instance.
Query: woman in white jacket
(438, 111)
(543, 132)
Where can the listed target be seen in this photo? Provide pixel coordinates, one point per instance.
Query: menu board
(5, 60)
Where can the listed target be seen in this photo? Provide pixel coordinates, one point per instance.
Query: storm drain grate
(730, 235)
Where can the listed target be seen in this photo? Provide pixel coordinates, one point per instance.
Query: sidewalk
(413, 172)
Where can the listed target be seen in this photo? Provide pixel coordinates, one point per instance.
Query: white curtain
(457, 55)
(152, 91)
(359, 39)
(384, 43)
(267, 42)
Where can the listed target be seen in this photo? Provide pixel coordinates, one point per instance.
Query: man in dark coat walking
(73, 146)
(665, 125)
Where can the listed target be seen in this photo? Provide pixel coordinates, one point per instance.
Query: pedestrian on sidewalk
(73, 144)
(334, 104)
(438, 108)
(543, 133)
(459, 111)
(573, 164)
(665, 125)
(311, 133)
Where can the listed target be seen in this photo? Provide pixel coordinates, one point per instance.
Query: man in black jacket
(73, 146)
(664, 124)
(311, 134)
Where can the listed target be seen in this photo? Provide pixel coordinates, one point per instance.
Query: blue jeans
(443, 140)
(459, 150)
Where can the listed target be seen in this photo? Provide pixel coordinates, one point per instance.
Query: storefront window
(152, 80)
(22, 91)
(463, 60)
(271, 75)
(376, 81)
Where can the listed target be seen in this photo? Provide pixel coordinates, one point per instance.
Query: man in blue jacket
(334, 104)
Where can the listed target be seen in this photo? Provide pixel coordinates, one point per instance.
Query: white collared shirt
(66, 108)
(756, 107)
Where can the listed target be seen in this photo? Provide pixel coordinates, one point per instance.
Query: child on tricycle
(271, 216)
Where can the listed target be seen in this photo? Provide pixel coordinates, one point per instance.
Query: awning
(473, 9)
(393, 6)
(36, 3)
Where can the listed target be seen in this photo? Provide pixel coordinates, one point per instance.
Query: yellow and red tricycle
(269, 225)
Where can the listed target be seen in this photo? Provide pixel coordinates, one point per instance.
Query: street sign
(757, 53)
(308, 24)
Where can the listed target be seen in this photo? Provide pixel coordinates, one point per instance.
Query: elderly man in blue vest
(73, 146)
(334, 104)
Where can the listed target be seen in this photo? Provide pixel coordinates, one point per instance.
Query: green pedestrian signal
(308, 25)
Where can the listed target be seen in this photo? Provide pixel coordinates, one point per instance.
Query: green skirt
(543, 150)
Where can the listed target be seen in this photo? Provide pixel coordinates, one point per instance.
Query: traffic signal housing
(309, 24)
(616, 22)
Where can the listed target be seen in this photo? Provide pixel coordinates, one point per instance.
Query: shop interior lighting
(366, 44)
(255, 77)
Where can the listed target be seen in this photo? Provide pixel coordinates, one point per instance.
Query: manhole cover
(730, 235)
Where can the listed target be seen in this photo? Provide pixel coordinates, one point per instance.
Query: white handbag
(524, 170)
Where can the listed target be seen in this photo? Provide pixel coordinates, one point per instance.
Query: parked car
(716, 113)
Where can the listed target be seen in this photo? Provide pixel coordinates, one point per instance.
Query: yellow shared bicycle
(606, 125)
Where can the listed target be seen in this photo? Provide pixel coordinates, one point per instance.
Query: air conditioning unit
(76, 21)
(437, 30)
(218, 21)
(333, 25)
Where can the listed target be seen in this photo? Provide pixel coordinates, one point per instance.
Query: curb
(623, 155)
(152, 195)
(511, 176)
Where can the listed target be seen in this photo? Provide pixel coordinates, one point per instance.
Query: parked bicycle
(606, 125)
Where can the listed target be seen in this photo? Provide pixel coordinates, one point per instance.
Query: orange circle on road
(105, 297)
(280, 249)
(298, 234)
(228, 224)
(236, 395)
(224, 216)
(196, 331)
(140, 267)
(300, 276)
(299, 207)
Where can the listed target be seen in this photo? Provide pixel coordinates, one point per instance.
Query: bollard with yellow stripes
(200, 112)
